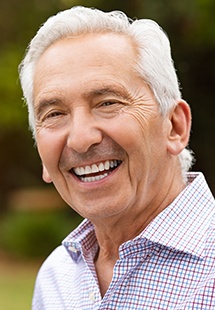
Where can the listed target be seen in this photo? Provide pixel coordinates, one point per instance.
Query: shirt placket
(93, 291)
(122, 273)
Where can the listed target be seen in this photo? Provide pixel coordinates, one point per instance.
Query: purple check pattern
(170, 265)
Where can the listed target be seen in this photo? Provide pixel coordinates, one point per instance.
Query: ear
(179, 130)
(45, 175)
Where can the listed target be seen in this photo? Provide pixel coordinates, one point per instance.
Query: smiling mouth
(96, 172)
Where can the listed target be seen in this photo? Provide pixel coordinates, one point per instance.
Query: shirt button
(91, 296)
(73, 249)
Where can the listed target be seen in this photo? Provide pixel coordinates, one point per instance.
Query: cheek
(144, 136)
(49, 148)
(141, 126)
(143, 117)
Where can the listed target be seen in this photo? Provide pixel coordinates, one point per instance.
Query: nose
(84, 131)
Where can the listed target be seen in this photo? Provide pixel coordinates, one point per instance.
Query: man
(112, 130)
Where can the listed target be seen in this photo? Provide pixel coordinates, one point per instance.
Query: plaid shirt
(170, 265)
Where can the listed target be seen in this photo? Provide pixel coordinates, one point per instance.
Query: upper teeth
(95, 167)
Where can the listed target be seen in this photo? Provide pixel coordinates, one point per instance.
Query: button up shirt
(170, 265)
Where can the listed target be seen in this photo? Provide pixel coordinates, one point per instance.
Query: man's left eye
(107, 103)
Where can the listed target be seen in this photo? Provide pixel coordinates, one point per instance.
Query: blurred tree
(19, 162)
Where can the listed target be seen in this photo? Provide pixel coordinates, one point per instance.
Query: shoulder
(55, 278)
(54, 264)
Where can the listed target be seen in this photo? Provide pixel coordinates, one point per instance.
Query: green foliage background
(190, 24)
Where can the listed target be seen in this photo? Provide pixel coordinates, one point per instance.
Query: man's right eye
(53, 114)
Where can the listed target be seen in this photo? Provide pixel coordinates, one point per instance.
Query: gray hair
(154, 62)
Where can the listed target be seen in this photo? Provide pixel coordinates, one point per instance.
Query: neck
(114, 231)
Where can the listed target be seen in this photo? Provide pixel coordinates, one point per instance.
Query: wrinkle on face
(143, 107)
(107, 149)
(130, 129)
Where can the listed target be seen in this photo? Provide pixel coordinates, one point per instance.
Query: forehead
(86, 60)
(101, 48)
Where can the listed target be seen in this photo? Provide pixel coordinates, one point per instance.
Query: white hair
(154, 62)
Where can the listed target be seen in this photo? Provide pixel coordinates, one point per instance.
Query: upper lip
(95, 167)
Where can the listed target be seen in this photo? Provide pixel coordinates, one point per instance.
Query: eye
(53, 114)
(108, 103)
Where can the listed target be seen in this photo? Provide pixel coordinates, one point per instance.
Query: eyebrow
(108, 90)
(111, 90)
(43, 104)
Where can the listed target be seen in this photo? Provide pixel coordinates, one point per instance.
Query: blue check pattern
(170, 265)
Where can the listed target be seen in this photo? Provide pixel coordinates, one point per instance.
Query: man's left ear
(180, 125)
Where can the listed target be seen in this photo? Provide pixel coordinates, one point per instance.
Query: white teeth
(95, 168)
(107, 165)
(113, 163)
(101, 167)
(82, 170)
(88, 170)
(96, 178)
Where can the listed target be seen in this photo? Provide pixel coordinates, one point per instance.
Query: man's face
(99, 133)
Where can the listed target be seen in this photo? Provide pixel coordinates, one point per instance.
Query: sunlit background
(33, 218)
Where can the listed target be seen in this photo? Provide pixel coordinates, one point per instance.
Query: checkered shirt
(170, 265)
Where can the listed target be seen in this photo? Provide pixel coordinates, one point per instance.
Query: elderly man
(112, 131)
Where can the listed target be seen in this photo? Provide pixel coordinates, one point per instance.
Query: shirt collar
(81, 241)
(184, 223)
(181, 226)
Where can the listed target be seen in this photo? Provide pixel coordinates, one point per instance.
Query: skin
(90, 107)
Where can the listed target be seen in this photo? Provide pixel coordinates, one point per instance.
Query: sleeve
(49, 282)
